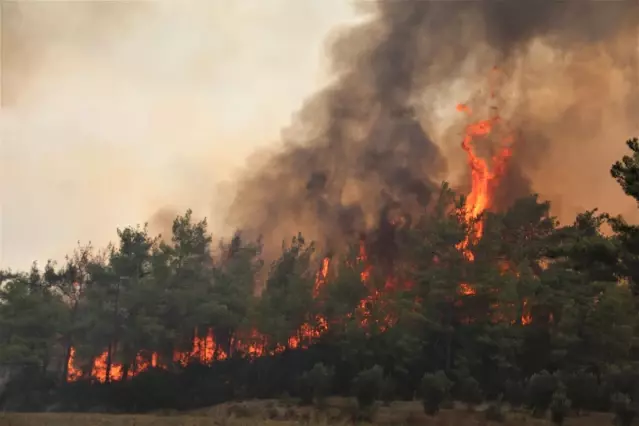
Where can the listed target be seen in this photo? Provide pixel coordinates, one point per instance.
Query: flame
(466, 290)
(73, 373)
(485, 174)
(483, 177)
(363, 258)
(99, 370)
(526, 317)
(321, 276)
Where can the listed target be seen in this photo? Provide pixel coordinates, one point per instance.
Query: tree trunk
(109, 362)
(125, 371)
(67, 358)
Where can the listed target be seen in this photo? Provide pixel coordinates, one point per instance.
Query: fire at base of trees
(540, 313)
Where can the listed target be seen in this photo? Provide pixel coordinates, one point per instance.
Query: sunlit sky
(113, 110)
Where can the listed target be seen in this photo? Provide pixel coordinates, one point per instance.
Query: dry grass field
(278, 413)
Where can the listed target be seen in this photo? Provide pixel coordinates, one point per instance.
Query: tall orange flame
(483, 177)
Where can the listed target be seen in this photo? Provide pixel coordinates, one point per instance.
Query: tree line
(542, 309)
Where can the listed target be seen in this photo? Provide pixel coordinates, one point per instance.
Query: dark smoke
(361, 145)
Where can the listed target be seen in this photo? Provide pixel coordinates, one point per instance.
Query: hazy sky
(113, 110)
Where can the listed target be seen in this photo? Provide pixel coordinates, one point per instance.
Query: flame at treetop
(483, 177)
(484, 180)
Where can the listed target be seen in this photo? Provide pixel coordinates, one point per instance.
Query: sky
(113, 111)
(116, 113)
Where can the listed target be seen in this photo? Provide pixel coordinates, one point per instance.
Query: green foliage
(305, 390)
(559, 406)
(541, 388)
(538, 296)
(317, 383)
(388, 390)
(470, 391)
(368, 385)
(285, 304)
(582, 389)
(624, 408)
(626, 171)
(31, 316)
(435, 389)
(515, 393)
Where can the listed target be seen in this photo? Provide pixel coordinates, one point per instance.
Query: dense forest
(413, 309)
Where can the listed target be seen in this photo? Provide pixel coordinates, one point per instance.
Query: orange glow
(99, 370)
(466, 290)
(73, 374)
(363, 258)
(526, 317)
(320, 280)
(482, 175)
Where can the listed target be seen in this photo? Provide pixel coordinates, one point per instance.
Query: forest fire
(205, 350)
(484, 177)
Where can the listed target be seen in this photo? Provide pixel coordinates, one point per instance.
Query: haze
(117, 113)
(114, 110)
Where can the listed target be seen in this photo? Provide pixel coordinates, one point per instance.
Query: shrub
(623, 380)
(304, 389)
(515, 393)
(388, 390)
(583, 390)
(363, 415)
(315, 385)
(540, 390)
(435, 389)
(494, 412)
(368, 385)
(240, 411)
(470, 392)
(624, 409)
(559, 406)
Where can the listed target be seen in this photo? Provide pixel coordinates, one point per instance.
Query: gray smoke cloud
(385, 133)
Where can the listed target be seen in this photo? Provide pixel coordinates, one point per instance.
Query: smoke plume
(384, 133)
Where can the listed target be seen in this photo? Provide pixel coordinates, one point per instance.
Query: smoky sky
(117, 113)
(375, 136)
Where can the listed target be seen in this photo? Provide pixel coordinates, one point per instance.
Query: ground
(285, 413)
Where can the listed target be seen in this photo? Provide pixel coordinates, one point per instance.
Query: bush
(623, 380)
(239, 411)
(363, 415)
(470, 392)
(515, 393)
(494, 412)
(315, 385)
(368, 385)
(540, 390)
(435, 389)
(305, 390)
(583, 390)
(624, 409)
(388, 390)
(28, 390)
(559, 406)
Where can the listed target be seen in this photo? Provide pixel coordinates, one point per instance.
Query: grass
(282, 413)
